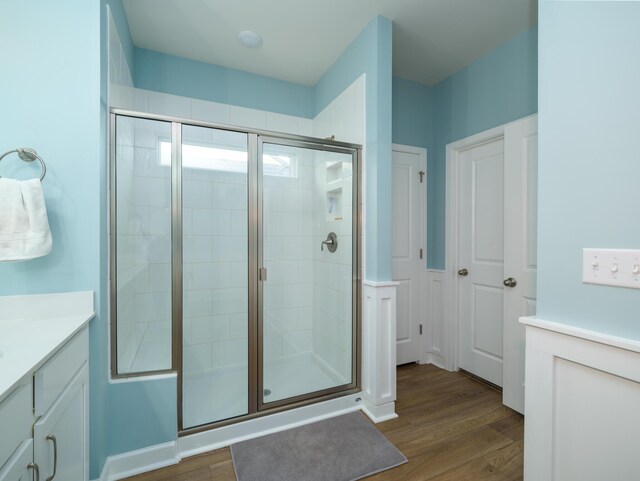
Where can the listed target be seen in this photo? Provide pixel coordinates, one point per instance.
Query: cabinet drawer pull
(53, 439)
(36, 470)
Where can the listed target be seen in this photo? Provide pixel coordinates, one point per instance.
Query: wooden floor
(450, 427)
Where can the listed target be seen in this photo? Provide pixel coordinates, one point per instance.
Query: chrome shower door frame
(322, 146)
(255, 140)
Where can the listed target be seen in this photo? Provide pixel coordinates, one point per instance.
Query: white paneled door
(409, 183)
(496, 257)
(520, 250)
(481, 260)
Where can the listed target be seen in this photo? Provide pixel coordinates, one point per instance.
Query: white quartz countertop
(33, 327)
(589, 335)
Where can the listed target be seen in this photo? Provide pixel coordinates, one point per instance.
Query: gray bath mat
(344, 448)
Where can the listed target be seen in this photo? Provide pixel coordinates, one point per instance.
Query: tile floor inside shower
(215, 395)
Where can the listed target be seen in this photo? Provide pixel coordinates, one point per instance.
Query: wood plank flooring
(451, 428)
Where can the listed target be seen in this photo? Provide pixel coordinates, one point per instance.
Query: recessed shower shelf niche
(334, 184)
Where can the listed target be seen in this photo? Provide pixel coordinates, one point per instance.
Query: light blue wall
(370, 53)
(181, 76)
(50, 87)
(589, 166)
(497, 88)
(142, 414)
(122, 25)
(413, 113)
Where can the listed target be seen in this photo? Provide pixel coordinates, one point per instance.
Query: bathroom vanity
(44, 386)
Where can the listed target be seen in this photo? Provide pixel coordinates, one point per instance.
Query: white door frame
(452, 244)
(452, 238)
(422, 212)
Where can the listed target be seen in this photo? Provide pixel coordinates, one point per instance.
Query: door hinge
(421, 253)
(421, 329)
(262, 274)
(421, 174)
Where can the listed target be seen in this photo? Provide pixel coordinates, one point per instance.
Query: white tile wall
(241, 116)
(345, 116)
(211, 111)
(288, 254)
(120, 80)
(165, 104)
(144, 249)
(332, 316)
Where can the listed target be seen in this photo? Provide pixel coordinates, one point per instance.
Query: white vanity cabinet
(60, 437)
(61, 394)
(20, 466)
(16, 445)
(44, 422)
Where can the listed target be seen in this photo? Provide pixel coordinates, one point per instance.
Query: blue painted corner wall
(181, 76)
(146, 414)
(122, 25)
(370, 54)
(497, 88)
(51, 102)
(413, 113)
(589, 164)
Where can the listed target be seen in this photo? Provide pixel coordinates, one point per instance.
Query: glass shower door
(306, 310)
(215, 250)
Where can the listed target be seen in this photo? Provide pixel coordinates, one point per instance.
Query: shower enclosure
(235, 263)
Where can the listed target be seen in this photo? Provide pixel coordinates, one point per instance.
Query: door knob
(463, 272)
(510, 282)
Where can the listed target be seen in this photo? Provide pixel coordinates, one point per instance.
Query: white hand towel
(24, 227)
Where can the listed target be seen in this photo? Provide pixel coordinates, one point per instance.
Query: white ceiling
(302, 38)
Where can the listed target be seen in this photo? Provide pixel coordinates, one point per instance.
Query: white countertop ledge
(34, 327)
(595, 336)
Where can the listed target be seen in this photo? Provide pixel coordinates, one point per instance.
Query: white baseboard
(254, 428)
(128, 464)
(436, 360)
(381, 413)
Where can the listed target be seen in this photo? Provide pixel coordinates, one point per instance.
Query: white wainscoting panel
(379, 349)
(582, 395)
(433, 307)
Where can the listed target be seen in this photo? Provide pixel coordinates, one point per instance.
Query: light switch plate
(611, 267)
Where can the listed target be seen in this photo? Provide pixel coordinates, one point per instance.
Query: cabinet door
(61, 435)
(17, 468)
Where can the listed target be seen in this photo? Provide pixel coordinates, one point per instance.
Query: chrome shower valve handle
(331, 242)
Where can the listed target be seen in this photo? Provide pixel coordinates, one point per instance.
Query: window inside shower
(234, 262)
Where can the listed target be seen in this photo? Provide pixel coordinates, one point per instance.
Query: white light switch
(611, 267)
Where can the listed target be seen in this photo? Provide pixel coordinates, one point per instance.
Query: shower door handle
(262, 274)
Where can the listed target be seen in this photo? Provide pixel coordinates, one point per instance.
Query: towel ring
(28, 155)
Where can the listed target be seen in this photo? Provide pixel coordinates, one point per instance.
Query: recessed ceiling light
(250, 39)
